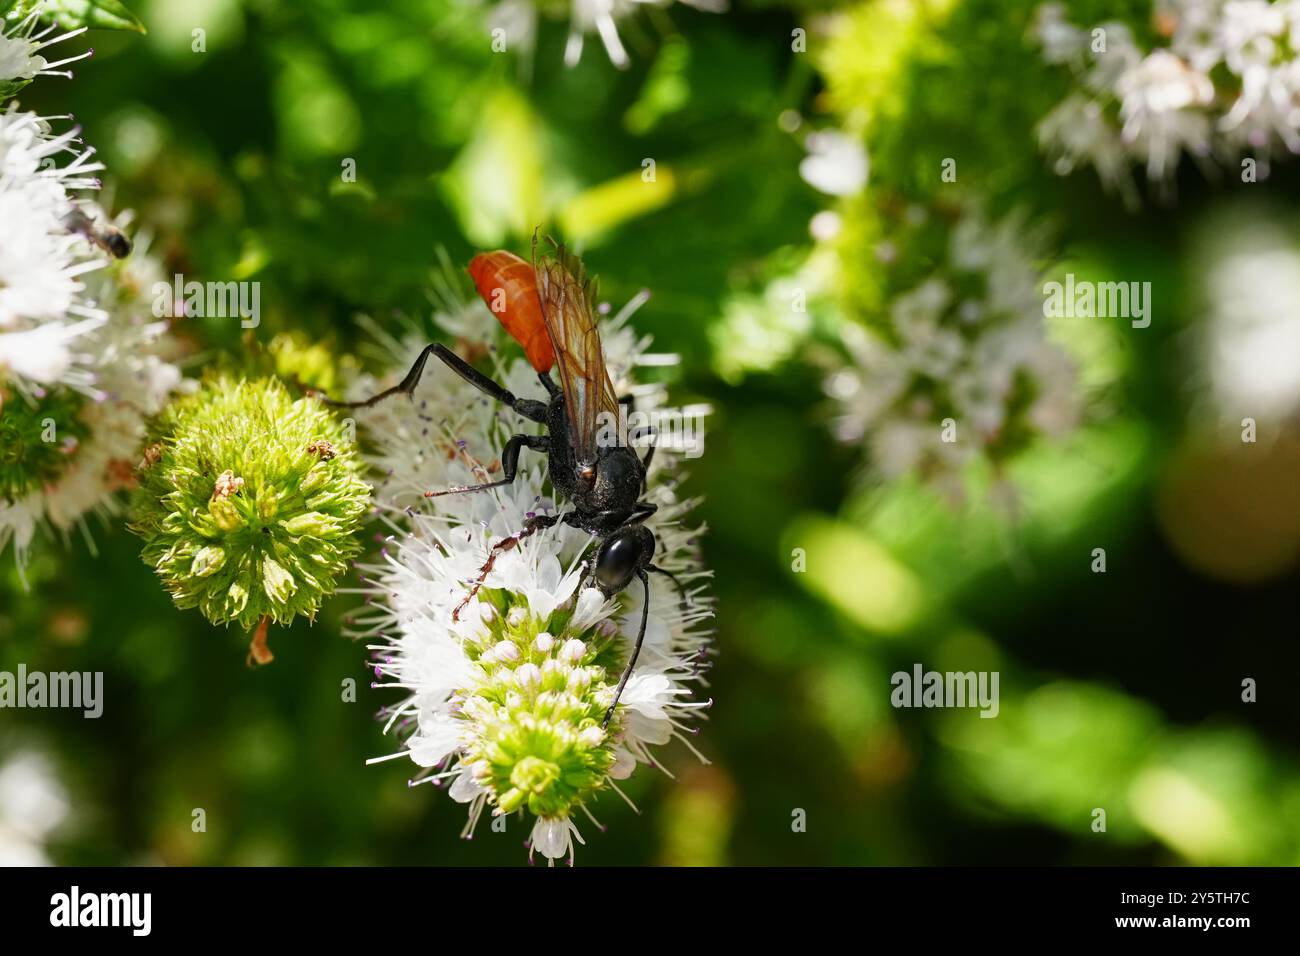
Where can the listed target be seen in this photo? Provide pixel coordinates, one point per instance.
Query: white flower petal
(551, 838)
(465, 789)
(436, 738)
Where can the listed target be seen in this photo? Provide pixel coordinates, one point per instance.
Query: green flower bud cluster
(537, 706)
(295, 358)
(249, 502)
(38, 438)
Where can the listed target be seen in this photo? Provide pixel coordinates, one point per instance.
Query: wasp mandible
(547, 307)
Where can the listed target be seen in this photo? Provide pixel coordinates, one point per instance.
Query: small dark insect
(548, 308)
(108, 237)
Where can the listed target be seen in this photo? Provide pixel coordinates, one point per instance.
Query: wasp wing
(589, 398)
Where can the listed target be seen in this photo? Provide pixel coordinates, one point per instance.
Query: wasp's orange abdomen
(509, 287)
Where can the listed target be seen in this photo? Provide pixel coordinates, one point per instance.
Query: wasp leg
(636, 648)
(681, 588)
(548, 383)
(509, 464)
(527, 407)
(629, 402)
(531, 526)
(649, 454)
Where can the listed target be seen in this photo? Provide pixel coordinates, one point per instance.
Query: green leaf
(96, 14)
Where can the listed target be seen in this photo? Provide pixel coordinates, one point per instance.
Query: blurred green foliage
(1120, 690)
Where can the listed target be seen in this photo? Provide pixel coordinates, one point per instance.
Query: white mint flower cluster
(505, 701)
(964, 370)
(1224, 88)
(82, 360)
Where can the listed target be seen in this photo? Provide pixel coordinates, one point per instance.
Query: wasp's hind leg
(636, 648)
(649, 454)
(531, 526)
(509, 464)
(527, 407)
(681, 588)
(650, 431)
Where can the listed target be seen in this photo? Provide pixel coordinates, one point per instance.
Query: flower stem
(258, 651)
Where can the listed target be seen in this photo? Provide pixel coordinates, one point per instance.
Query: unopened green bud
(313, 523)
(277, 581)
(226, 514)
(208, 561)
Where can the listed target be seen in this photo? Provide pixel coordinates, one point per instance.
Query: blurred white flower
(33, 803)
(1110, 62)
(45, 354)
(1249, 33)
(836, 163)
(1266, 111)
(71, 319)
(978, 356)
(1062, 41)
(126, 355)
(1196, 25)
(1250, 270)
(1160, 101)
(504, 705)
(1156, 106)
(42, 262)
(1077, 132)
